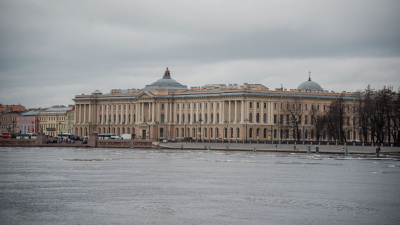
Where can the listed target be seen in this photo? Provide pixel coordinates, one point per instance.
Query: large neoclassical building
(167, 109)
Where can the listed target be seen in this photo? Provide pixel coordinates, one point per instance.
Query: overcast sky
(51, 51)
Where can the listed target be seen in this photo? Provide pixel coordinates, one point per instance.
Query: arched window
(231, 132)
(104, 130)
(161, 132)
(123, 130)
(118, 131)
(258, 133)
(162, 118)
(188, 131)
(265, 133)
(251, 133)
(183, 118)
(250, 117)
(287, 133)
(225, 132)
(274, 133)
(237, 132)
(133, 132)
(99, 130)
(216, 133)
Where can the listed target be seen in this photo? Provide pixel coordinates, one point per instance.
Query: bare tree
(335, 119)
(295, 112)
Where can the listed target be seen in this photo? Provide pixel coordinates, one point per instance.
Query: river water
(123, 186)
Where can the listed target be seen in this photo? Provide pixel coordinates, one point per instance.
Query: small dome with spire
(166, 83)
(309, 85)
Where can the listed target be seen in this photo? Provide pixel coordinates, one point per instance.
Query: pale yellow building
(167, 109)
(52, 121)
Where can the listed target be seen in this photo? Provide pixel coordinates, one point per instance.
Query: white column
(215, 112)
(229, 111)
(235, 112)
(180, 113)
(153, 113)
(208, 113)
(262, 112)
(254, 111)
(90, 113)
(191, 114)
(84, 113)
(142, 112)
(166, 116)
(170, 112)
(241, 111)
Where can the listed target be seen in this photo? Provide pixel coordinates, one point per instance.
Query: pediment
(145, 95)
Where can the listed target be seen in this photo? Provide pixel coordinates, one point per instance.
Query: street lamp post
(246, 120)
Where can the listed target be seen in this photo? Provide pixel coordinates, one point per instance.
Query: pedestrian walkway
(331, 149)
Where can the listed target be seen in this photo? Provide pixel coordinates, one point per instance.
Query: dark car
(187, 139)
(171, 140)
(84, 141)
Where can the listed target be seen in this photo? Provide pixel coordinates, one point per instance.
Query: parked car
(85, 140)
(187, 139)
(171, 140)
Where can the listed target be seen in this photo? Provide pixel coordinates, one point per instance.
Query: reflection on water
(123, 186)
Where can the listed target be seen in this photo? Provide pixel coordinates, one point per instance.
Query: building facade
(8, 122)
(52, 121)
(249, 112)
(27, 122)
(70, 121)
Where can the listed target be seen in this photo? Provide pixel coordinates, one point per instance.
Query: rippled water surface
(123, 186)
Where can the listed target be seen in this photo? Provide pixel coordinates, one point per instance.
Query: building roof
(166, 83)
(30, 113)
(309, 85)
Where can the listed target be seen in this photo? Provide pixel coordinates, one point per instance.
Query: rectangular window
(318, 107)
(281, 105)
(199, 105)
(275, 105)
(217, 105)
(206, 105)
(100, 107)
(177, 105)
(348, 121)
(274, 119)
(265, 105)
(119, 107)
(281, 119)
(134, 107)
(258, 105)
(265, 118)
(194, 105)
(299, 106)
(189, 105)
(299, 119)
(251, 105)
(124, 107)
(324, 107)
(348, 108)
(306, 120)
(162, 106)
(183, 105)
(306, 107)
(212, 105)
(287, 119)
(354, 108)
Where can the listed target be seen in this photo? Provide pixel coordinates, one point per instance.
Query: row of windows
(26, 119)
(9, 118)
(51, 118)
(123, 107)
